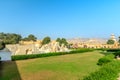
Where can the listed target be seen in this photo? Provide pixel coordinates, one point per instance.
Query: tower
(112, 37)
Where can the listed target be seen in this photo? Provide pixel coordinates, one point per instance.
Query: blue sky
(60, 18)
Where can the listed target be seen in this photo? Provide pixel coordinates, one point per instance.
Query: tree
(25, 39)
(119, 40)
(10, 38)
(16, 38)
(110, 41)
(58, 39)
(2, 45)
(46, 40)
(30, 37)
(62, 41)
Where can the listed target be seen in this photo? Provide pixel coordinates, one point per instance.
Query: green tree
(2, 45)
(15, 38)
(10, 38)
(119, 40)
(25, 39)
(58, 39)
(46, 40)
(62, 41)
(30, 37)
(110, 41)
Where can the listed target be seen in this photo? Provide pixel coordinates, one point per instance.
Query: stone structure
(53, 47)
(35, 48)
(31, 47)
(112, 37)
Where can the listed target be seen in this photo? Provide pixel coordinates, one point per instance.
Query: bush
(80, 51)
(113, 50)
(30, 56)
(104, 60)
(117, 54)
(102, 49)
(109, 71)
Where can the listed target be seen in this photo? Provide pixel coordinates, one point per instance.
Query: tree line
(13, 38)
(110, 41)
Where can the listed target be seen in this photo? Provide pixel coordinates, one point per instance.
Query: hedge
(109, 71)
(106, 59)
(113, 50)
(31, 56)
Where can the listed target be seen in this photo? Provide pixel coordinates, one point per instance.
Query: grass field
(64, 67)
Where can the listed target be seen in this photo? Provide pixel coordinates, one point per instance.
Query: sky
(61, 18)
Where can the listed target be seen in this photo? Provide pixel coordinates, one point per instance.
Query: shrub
(117, 54)
(113, 50)
(102, 49)
(107, 72)
(104, 60)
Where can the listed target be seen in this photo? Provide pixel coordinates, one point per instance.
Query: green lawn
(64, 67)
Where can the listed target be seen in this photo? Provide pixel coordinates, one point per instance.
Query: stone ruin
(53, 47)
(19, 49)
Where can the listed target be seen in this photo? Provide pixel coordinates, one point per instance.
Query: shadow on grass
(9, 71)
